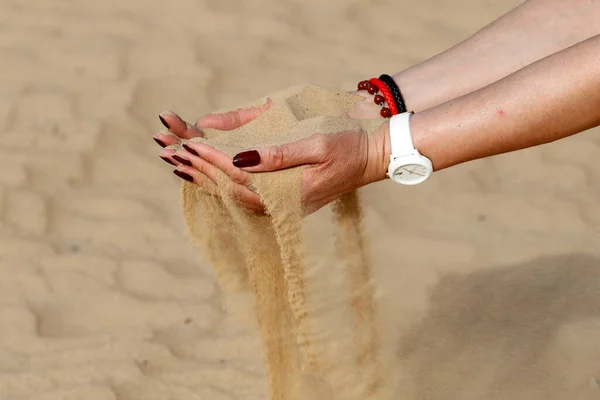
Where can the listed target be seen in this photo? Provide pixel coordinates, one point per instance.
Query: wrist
(421, 91)
(436, 139)
(410, 90)
(418, 133)
(381, 151)
(380, 157)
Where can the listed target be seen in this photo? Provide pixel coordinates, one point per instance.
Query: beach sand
(492, 268)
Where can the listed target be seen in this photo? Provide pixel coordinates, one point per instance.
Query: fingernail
(190, 149)
(246, 159)
(162, 120)
(165, 159)
(160, 143)
(182, 160)
(183, 175)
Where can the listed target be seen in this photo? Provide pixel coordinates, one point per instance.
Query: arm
(531, 31)
(553, 98)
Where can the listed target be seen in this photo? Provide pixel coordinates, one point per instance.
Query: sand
(491, 269)
(320, 333)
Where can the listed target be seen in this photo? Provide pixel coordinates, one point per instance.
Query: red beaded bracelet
(387, 94)
(374, 86)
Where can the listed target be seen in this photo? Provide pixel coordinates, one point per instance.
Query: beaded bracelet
(379, 99)
(387, 94)
(390, 94)
(391, 84)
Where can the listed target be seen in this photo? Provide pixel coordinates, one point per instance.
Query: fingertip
(246, 159)
(188, 146)
(159, 142)
(165, 139)
(167, 152)
(163, 121)
(163, 116)
(183, 175)
(167, 160)
(173, 122)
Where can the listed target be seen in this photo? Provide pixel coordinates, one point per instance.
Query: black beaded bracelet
(390, 83)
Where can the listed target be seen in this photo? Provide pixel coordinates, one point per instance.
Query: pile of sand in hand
(316, 310)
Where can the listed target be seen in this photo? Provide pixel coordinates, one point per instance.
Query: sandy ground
(493, 266)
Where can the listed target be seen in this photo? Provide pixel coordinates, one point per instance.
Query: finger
(196, 177)
(240, 193)
(222, 161)
(247, 198)
(311, 150)
(165, 139)
(175, 124)
(185, 164)
(233, 119)
(167, 156)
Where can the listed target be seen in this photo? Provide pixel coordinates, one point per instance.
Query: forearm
(528, 33)
(553, 98)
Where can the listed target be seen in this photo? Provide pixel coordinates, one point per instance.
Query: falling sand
(316, 310)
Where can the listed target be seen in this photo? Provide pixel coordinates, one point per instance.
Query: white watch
(407, 165)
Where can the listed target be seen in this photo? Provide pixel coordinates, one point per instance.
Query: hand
(203, 174)
(181, 130)
(330, 172)
(200, 163)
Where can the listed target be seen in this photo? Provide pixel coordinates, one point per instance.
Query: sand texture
(320, 331)
(489, 274)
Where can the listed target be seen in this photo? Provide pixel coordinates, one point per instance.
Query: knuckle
(233, 118)
(206, 183)
(204, 169)
(238, 176)
(278, 157)
(200, 166)
(208, 158)
(211, 156)
(245, 196)
(321, 143)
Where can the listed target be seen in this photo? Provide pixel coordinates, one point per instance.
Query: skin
(204, 161)
(544, 92)
(548, 100)
(528, 33)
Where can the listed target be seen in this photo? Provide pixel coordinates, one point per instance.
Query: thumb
(232, 119)
(304, 151)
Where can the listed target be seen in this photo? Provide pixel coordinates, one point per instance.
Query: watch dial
(411, 173)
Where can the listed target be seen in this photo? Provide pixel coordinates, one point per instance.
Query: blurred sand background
(493, 267)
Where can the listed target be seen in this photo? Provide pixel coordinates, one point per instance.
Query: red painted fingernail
(165, 159)
(183, 175)
(190, 149)
(182, 160)
(246, 159)
(162, 120)
(160, 142)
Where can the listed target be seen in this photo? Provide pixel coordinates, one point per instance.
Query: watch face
(411, 173)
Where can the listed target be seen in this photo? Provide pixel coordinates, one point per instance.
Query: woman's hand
(181, 130)
(190, 167)
(330, 171)
(336, 164)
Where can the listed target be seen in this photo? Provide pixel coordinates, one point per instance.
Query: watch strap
(400, 137)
